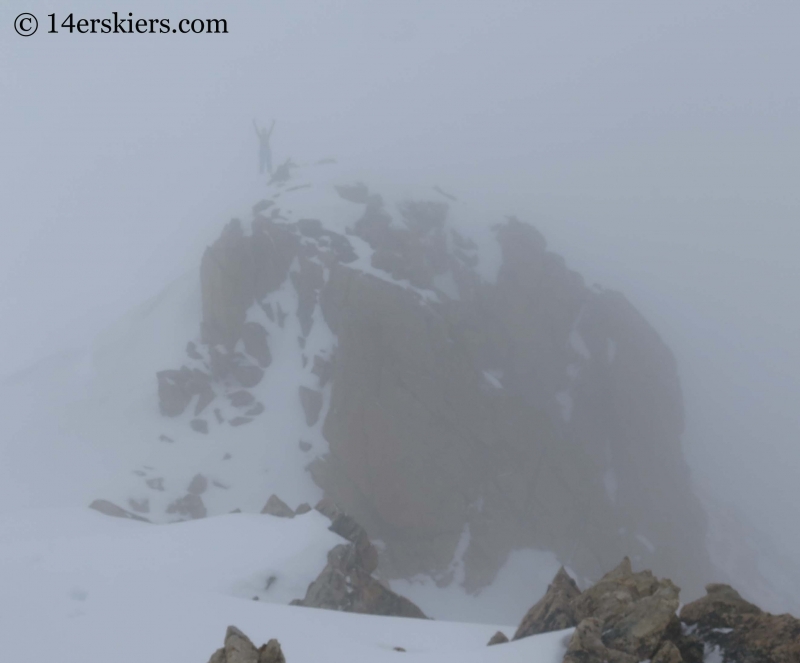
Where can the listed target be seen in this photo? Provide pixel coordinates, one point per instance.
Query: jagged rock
(241, 398)
(635, 609)
(305, 507)
(177, 388)
(312, 404)
(191, 351)
(271, 653)
(347, 527)
(640, 629)
(240, 649)
(323, 369)
(719, 608)
(667, 653)
(345, 585)
(498, 638)
(111, 509)
(189, 505)
(275, 506)
(554, 611)
(199, 426)
(741, 631)
(198, 485)
(586, 646)
(254, 337)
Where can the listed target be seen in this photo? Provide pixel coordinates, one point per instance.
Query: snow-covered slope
(79, 587)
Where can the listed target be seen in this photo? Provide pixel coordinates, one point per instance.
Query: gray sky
(657, 145)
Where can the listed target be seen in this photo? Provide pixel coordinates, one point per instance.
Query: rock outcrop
(628, 617)
(470, 382)
(554, 611)
(239, 648)
(346, 583)
(625, 617)
(739, 630)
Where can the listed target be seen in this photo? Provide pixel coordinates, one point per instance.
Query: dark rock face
(177, 388)
(311, 401)
(345, 585)
(498, 638)
(578, 439)
(515, 402)
(554, 611)
(240, 649)
(724, 621)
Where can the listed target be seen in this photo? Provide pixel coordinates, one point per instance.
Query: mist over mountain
(519, 291)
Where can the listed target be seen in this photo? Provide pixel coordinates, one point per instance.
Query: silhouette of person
(264, 150)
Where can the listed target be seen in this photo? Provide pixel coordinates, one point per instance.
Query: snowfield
(81, 587)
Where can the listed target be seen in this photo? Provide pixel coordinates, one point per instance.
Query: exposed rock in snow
(238, 648)
(275, 506)
(554, 611)
(111, 509)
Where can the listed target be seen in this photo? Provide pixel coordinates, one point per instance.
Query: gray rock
(198, 485)
(254, 337)
(111, 509)
(241, 398)
(275, 506)
(240, 649)
(554, 611)
(240, 421)
(311, 401)
(247, 376)
(498, 638)
(199, 426)
(586, 646)
(345, 585)
(189, 505)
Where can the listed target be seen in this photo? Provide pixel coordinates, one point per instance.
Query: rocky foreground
(626, 617)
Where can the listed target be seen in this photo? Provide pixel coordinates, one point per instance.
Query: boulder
(345, 585)
(275, 506)
(498, 638)
(239, 648)
(586, 646)
(554, 611)
(724, 621)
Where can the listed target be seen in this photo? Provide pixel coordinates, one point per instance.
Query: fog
(657, 147)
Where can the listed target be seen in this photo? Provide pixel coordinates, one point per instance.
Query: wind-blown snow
(88, 589)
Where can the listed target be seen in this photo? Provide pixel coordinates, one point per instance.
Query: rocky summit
(448, 379)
